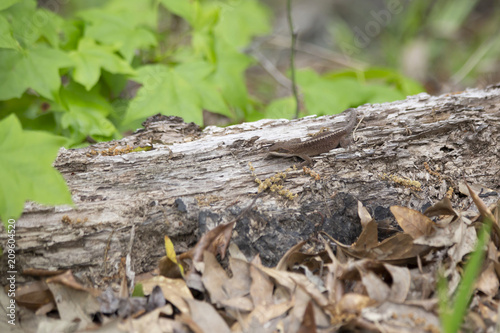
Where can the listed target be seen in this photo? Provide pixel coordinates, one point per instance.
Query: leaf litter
(370, 286)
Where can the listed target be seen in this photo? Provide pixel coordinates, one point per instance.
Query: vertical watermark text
(10, 250)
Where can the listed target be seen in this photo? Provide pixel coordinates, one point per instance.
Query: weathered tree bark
(192, 181)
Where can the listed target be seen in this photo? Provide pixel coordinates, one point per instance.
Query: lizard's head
(280, 149)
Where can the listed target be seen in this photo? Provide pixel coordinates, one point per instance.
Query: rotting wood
(193, 181)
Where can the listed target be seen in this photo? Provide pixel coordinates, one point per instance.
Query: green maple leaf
(36, 67)
(243, 20)
(91, 57)
(26, 169)
(86, 112)
(7, 3)
(182, 91)
(117, 31)
(185, 9)
(329, 96)
(28, 23)
(6, 39)
(229, 75)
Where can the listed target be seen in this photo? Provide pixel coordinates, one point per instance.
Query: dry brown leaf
(123, 292)
(312, 262)
(152, 322)
(302, 298)
(483, 209)
(239, 284)
(447, 235)
(486, 212)
(412, 222)
(488, 309)
(333, 284)
(256, 260)
(264, 314)
(401, 281)
(397, 249)
(244, 304)
(349, 308)
(308, 324)
(69, 280)
(395, 317)
(375, 287)
(281, 278)
(368, 239)
(169, 269)
(235, 252)
(206, 317)
(353, 303)
(185, 319)
(283, 264)
(363, 214)
(310, 288)
(174, 290)
(487, 281)
(214, 277)
(261, 289)
(74, 302)
(442, 207)
(34, 295)
(215, 241)
(465, 239)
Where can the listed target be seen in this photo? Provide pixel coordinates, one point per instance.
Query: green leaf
(26, 169)
(138, 290)
(91, 57)
(388, 77)
(51, 27)
(329, 96)
(25, 25)
(185, 8)
(36, 68)
(211, 99)
(34, 112)
(229, 74)
(381, 94)
(7, 41)
(206, 17)
(87, 112)
(71, 33)
(203, 44)
(115, 30)
(29, 23)
(7, 3)
(281, 108)
(405, 85)
(143, 13)
(241, 20)
(181, 91)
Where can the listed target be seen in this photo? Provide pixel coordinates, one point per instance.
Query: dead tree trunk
(408, 153)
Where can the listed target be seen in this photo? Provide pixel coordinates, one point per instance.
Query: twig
(320, 52)
(473, 60)
(271, 69)
(292, 56)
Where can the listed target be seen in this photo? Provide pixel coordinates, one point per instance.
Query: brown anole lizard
(319, 144)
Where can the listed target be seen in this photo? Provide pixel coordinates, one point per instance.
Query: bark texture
(407, 153)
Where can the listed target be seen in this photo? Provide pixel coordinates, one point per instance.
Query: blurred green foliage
(455, 42)
(26, 169)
